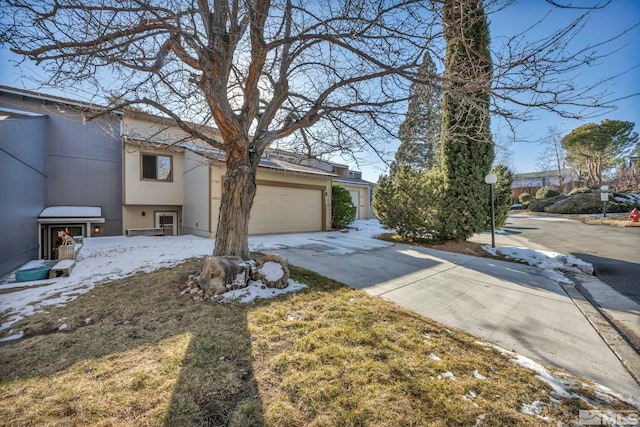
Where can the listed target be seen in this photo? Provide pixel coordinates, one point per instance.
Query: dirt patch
(465, 248)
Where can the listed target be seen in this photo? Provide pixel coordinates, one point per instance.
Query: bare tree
(326, 76)
(554, 157)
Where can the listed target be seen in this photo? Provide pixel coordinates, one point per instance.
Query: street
(613, 251)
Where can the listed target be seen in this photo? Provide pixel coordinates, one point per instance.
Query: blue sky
(523, 152)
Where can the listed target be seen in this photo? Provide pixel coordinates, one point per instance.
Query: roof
(354, 181)
(219, 156)
(52, 98)
(71, 212)
(540, 174)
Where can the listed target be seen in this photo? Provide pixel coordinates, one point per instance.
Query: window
(355, 175)
(157, 167)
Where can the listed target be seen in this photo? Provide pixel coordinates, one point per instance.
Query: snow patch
(272, 271)
(448, 375)
(434, 357)
(478, 375)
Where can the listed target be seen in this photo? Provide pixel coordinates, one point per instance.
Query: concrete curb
(610, 333)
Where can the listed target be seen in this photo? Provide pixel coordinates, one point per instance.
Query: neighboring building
(52, 157)
(531, 182)
(62, 169)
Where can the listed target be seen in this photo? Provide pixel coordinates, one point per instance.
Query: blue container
(29, 274)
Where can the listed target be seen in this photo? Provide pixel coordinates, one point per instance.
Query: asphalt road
(613, 251)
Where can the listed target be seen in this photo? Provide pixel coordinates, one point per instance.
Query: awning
(60, 214)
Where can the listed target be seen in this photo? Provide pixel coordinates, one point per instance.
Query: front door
(168, 221)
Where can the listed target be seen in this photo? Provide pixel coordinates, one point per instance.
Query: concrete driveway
(512, 305)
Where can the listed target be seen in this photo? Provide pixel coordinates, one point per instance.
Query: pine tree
(467, 148)
(420, 132)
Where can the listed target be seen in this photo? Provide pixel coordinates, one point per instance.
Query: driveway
(513, 305)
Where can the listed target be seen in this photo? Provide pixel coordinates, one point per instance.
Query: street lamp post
(604, 196)
(491, 179)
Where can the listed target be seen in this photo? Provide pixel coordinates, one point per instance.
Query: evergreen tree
(420, 132)
(467, 148)
(502, 196)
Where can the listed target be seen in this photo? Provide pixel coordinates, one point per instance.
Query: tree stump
(222, 274)
(272, 270)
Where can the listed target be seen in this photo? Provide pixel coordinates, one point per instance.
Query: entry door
(355, 198)
(168, 221)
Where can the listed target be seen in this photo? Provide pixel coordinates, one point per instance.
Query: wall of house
(143, 216)
(84, 158)
(364, 209)
(146, 192)
(197, 199)
(23, 177)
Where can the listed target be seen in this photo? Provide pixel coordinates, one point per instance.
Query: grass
(136, 353)
(615, 220)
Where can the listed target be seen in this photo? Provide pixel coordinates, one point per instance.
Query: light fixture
(604, 197)
(96, 229)
(143, 213)
(491, 179)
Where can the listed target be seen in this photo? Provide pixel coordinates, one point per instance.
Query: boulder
(272, 270)
(221, 274)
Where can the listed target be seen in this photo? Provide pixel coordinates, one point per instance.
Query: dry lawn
(136, 353)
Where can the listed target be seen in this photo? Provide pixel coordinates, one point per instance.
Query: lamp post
(491, 179)
(604, 196)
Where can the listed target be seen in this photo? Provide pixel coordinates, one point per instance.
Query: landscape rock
(272, 270)
(221, 274)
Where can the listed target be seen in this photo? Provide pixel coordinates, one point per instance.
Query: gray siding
(64, 160)
(85, 160)
(23, 148)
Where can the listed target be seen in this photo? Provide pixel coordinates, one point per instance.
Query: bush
(580, 190)
(502, 196)
(524, 198)
(546, 193)
(343, 211)
(540, 205)
(407, 202)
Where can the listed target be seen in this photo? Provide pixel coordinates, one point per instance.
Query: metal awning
(62, 214)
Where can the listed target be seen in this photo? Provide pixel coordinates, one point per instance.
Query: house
(531, 182)
(58, 171)
(174, 181)
(62, 168)
(361, 191)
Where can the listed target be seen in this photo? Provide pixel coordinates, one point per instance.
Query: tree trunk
(238, 192)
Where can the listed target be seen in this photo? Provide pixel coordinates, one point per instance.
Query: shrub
(580, 191)
(343, 211)
(502, 196)
(546, 193)
(407, 202)
(524, 198)
(540, 205)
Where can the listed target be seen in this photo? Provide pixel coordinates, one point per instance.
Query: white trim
(21, 112)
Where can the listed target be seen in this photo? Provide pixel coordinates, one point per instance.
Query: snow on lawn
(562, 385)
(103, 259)
(552, 264)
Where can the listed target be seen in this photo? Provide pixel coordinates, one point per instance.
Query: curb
(610, 333)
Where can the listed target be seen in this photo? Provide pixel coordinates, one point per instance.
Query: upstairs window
(355, 175)
(157, 168)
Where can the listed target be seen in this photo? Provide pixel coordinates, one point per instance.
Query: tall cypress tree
(420, 132)
(467, 148)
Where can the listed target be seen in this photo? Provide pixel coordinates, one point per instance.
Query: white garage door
(285, 210)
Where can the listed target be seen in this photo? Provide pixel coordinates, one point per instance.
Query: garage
(286, 208)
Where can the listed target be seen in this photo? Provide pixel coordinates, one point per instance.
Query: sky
(522, 147)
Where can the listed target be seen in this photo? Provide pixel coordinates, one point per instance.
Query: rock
(272, 270)
(220, 274)
(193, 291)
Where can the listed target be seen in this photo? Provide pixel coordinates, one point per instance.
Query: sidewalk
(613, 315)
(511, 304)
